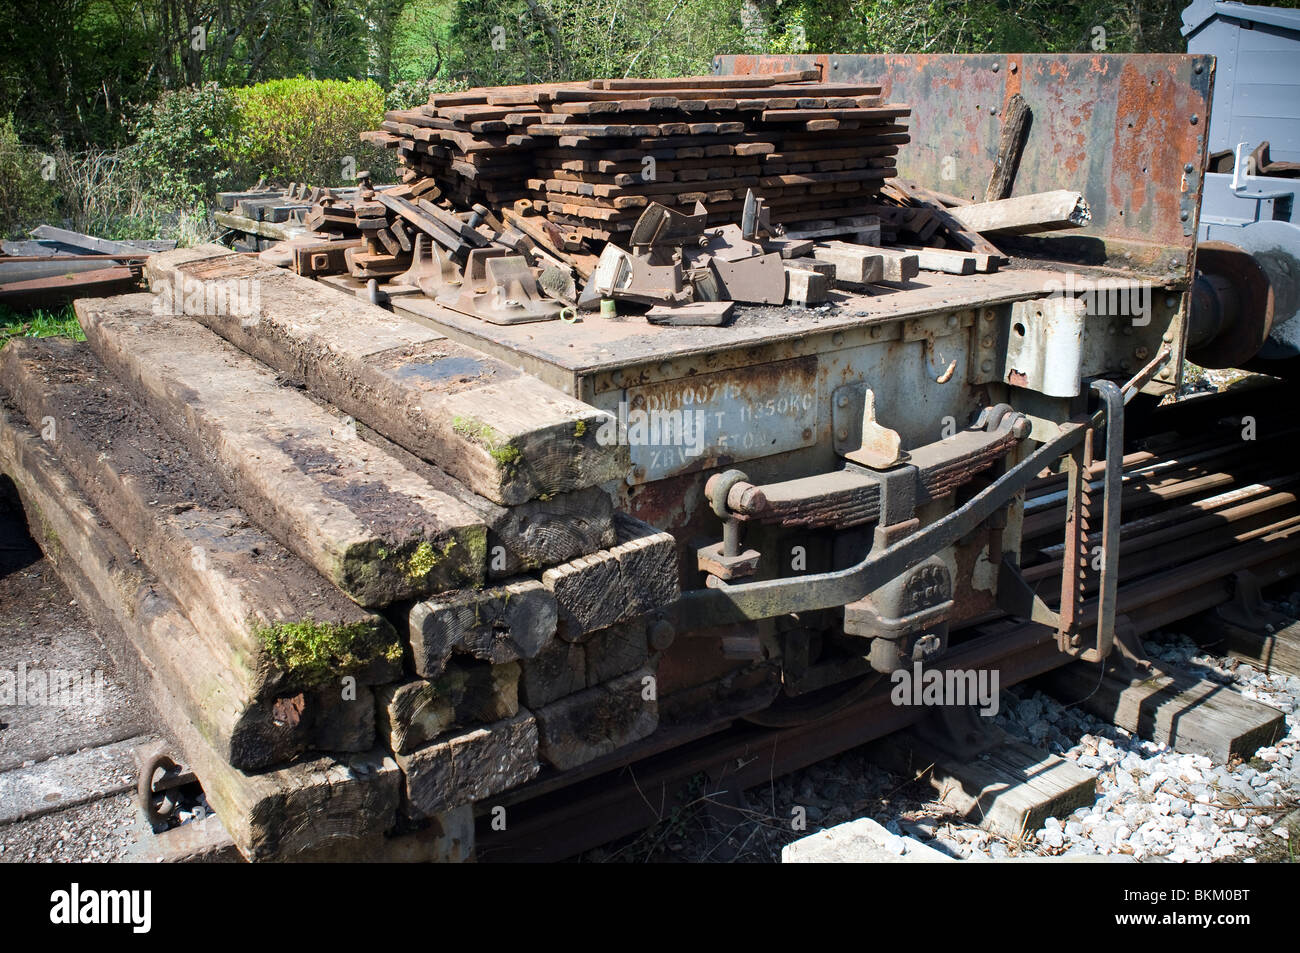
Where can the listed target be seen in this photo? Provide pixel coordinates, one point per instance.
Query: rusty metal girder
(1128, 131)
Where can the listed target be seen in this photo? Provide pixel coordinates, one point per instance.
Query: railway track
(1210, 491)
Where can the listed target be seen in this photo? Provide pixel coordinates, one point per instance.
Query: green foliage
(409, 93)
(422, 40)
(958, 26)
(314, 652)
(40, 324)
(306, 130)
(525, 41)
(25, 195)
(183, 144)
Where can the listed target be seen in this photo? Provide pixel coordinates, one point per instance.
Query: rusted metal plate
(1128, 131)
(712, 420)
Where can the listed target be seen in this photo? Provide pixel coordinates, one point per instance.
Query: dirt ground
(42, 628)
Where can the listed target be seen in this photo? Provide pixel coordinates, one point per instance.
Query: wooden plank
(962, 237)
(559, 669)
(615, 651)
(950, 261)
(1025, 214)
(246, 593)
(526, 536)
(711, 81)
(471, 766)
(1009, 788)
(854, 264)
(366, 523)
(1277, 650)
(896, 265)
(1187, 713)
(584, 726)
(249, 226)
(1011, 143)
(415, 712)
(499, 624)
(806, 288)
(502, 433)
(636, 576)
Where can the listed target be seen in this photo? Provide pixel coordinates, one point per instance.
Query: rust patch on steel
(1116, 128)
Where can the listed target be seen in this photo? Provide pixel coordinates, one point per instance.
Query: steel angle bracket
(500, 288)
(857, 434)
(431, 271)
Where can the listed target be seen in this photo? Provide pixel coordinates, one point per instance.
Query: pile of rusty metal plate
(593, 155)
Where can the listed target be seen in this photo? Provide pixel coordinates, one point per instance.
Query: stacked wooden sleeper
(323, 629)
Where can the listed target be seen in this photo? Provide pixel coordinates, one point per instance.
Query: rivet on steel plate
(842, 400)
(1014, 66)
(986, 341)
(1140, 352)
(875, 332)
(665, 368)
(952, 320)
(1171, 301)
(986, 367)
(837, 338)
(1183, 215)
(1188, 167)
(841, 434)
(1198, 68)
(996, 66)
(1195, 119)
(617, 378)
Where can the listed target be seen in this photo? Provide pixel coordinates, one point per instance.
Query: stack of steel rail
(592, 155)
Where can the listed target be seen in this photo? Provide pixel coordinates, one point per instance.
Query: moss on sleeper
(498, 447)
(421, 562)
(313, 652)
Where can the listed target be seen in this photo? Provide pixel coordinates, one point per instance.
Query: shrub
(26, 197)
(182, 146)
(305, 130)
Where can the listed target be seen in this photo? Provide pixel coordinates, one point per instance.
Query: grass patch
(40, 324)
